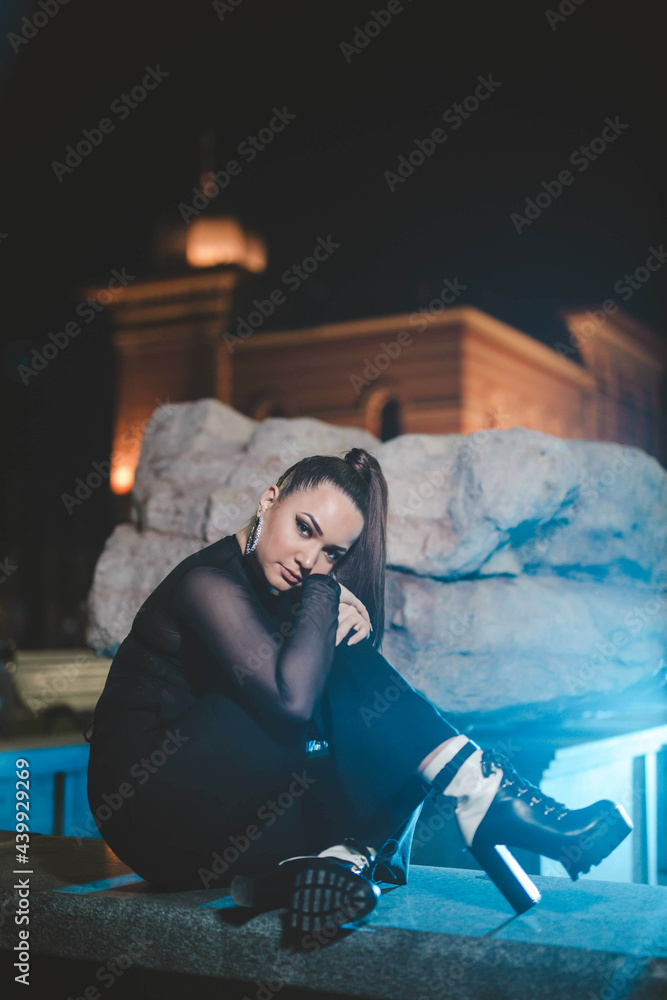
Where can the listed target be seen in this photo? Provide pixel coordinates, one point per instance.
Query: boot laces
(521, 788)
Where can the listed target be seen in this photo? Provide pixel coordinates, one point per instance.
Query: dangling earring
(251, 544)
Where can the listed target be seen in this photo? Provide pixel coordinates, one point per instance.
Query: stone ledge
(448, 933)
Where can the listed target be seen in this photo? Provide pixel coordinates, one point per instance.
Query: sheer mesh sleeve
(283, 669)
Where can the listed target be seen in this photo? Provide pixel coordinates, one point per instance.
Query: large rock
(507, 501)
(188, 450)
(479, 645)
(522, 568)
(130, 567)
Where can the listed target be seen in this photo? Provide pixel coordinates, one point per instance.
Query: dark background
(322, 176)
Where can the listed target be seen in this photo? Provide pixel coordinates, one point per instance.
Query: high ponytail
(362, 570)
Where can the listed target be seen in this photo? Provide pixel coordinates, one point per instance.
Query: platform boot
(332, 887)
(496, 808)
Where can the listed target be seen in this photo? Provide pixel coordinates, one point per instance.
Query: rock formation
(522, 569)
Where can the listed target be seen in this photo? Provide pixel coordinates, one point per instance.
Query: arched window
(268, 406)
(382, 412)
(390, 420)
(603, 371)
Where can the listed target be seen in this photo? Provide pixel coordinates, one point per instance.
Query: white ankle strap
(474, 793)
(437, 770)
(341, 851)
(346, 853)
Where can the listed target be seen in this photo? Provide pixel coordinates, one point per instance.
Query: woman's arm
(283, 670)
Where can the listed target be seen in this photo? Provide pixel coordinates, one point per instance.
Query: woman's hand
(352, 614)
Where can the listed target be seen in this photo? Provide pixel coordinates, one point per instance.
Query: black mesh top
(222, 626)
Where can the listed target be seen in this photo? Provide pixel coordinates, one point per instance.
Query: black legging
(189, 790)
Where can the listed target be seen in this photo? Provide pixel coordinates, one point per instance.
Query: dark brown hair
(358, 475)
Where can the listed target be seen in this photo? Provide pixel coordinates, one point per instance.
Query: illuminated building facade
(451, 372)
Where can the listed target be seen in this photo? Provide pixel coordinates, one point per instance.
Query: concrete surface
(94, 924)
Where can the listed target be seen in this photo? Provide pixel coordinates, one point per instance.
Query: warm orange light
(122, 479)
(223, 241)
(255, 259)
(215, 241)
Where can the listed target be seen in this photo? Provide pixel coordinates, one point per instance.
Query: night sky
(555, 80)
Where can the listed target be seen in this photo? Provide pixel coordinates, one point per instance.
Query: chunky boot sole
(579, 857)
(318, 892)
(326, 895)
(507, 875)
(576, 857)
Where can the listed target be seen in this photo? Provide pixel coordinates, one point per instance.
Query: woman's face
(307, 533)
